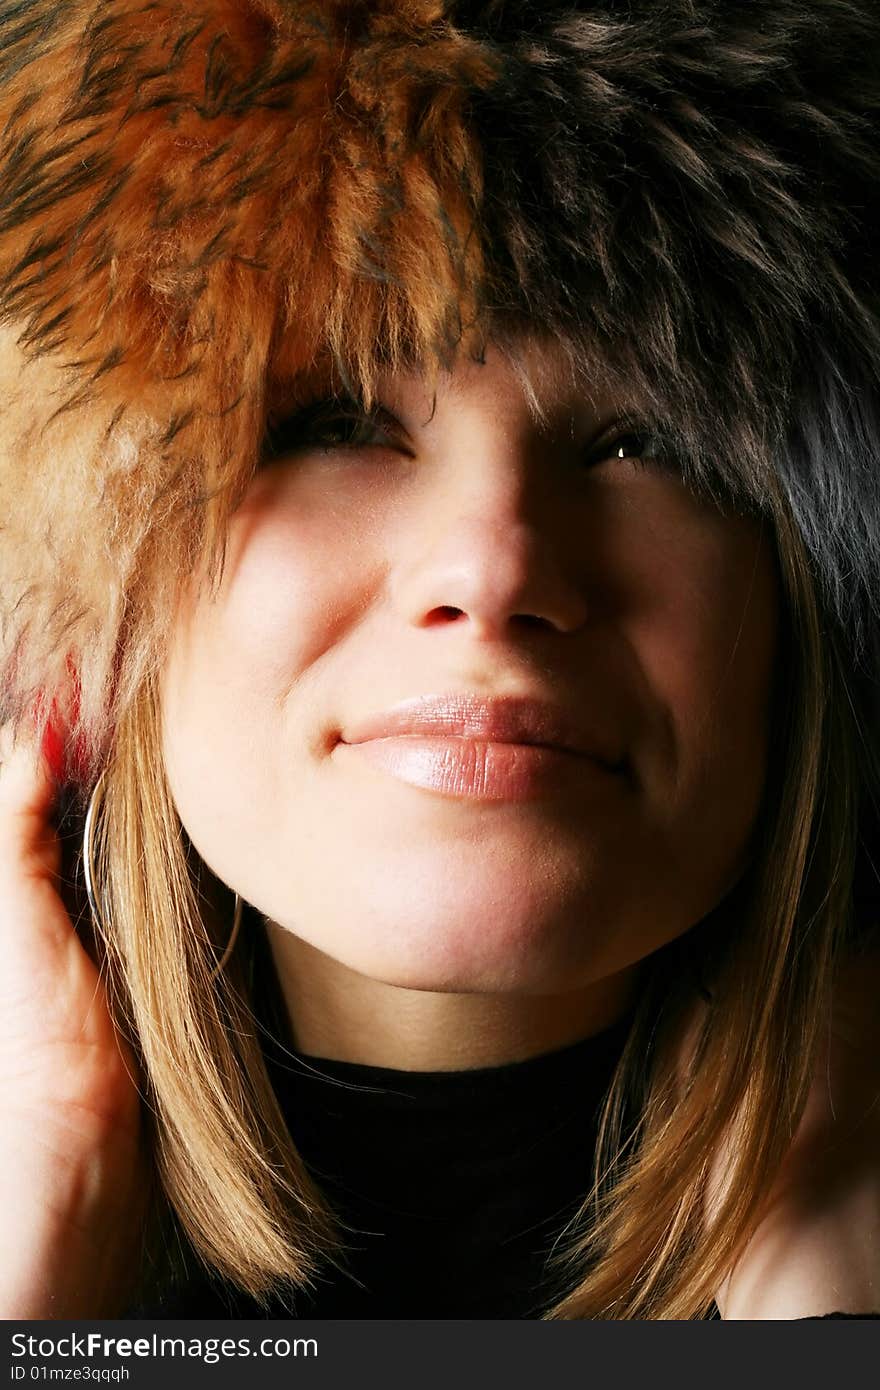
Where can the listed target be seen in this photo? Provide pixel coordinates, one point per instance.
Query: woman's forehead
(554, 383)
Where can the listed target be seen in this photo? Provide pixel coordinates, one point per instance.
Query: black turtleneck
(454, 1185)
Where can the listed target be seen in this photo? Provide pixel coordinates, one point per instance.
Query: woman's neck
(334, 1012)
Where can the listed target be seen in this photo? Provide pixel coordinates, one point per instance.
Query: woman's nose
(490, 553)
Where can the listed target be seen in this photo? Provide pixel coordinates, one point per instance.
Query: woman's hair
(718, 1059)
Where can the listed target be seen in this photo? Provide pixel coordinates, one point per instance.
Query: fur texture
(202, 203)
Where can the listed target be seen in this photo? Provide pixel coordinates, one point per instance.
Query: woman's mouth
(478, 769)
(469, 745)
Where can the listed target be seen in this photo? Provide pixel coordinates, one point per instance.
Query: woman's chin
(494, 945)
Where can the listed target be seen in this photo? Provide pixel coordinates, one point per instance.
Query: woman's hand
(817, 1249)
(71, 1167)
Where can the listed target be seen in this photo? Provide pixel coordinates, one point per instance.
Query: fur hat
(203, 201)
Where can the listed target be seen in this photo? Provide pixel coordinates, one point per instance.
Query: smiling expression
(483, 701)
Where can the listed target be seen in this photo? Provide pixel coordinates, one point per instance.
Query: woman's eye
(640, 446)
(331, 424)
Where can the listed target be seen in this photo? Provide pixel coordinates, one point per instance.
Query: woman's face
(480, 705)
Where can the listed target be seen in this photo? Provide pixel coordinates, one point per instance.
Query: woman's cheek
(707, 664)
(298, 586)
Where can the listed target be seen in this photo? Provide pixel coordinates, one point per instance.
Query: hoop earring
(237, 913)
(95, 802)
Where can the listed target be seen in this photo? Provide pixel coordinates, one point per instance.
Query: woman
(448, 431)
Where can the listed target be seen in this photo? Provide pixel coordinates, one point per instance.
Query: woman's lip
(476, 768)
(496, 720)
